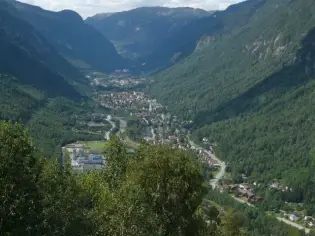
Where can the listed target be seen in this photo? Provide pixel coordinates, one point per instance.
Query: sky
(90, 7)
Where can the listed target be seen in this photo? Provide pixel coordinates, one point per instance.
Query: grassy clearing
(96, 147)
(96, 144)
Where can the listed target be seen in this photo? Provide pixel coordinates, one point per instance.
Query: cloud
(91, 7)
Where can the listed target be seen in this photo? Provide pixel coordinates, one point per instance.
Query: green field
(95, 144)
(96, 147)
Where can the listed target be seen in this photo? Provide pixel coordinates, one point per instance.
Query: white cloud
(91, 7)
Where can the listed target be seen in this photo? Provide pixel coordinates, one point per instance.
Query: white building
(75, 163)
(293, 217)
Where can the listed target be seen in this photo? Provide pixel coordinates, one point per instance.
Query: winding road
(153, 133)
(107, 134)
(215, 181)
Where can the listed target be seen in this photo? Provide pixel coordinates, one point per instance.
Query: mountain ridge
(23, 49)
(63, 29)
(135, 32)
(182, 43)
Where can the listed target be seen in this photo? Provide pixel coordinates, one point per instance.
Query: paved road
(107, 134)
(300, 227)
(215, 181)
(153, 133)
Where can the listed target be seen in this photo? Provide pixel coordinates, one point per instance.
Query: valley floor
(135, 116)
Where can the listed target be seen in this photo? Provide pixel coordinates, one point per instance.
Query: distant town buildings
(244, 190)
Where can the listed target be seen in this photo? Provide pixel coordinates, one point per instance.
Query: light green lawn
(95, 144)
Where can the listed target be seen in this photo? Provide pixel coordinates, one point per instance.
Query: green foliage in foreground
(156, 191)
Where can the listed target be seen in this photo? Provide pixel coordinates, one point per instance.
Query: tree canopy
(156, 191)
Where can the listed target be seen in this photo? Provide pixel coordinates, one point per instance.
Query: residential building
(293, 217)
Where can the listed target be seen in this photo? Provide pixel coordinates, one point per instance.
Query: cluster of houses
(124, 99)
(279, 187)
(126, 82)
(121, 81)
(120, 73)
(244, 190)
(119, 78)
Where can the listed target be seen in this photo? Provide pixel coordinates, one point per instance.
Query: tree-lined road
(107, 134)
(215, 181)
(300, 227)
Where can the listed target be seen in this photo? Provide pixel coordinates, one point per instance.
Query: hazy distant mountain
(78, 42)
(136, 32)
(183, 42)
(26, 55)
(38, 86)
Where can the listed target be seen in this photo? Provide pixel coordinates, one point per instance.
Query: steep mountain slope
(38, 86)
(78, 42)
(17, 101)
(252, 93)
(228, 66)
(26, 55)
(136, 32)
(199, 32)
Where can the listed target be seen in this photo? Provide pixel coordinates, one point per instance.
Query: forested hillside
(252, 93)
(26, 55)
(17, 101)
(38, 86)
(63, 29)
(246, 84)
(137, 32)
(156, 191)
(51, 121)
(180, 44)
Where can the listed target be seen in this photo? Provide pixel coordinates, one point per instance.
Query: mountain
(78, 42)
(38, 86)
(251, 91)
(180, 44)
(26, 55)
(232, 61)
(136, 32)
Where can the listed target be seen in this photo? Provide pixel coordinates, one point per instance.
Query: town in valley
(133, 115)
